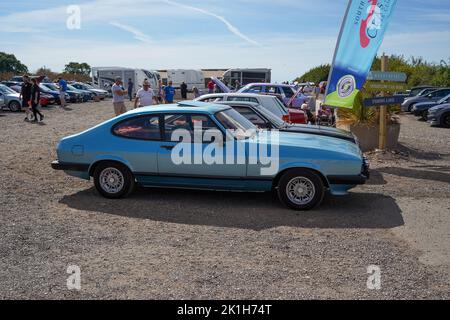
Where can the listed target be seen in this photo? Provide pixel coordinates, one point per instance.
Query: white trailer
(193, 78)
(104, 77)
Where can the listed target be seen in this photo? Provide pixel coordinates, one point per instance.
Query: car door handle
(168, 147)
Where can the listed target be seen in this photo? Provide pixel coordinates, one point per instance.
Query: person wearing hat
(119, 94)
(145, 96)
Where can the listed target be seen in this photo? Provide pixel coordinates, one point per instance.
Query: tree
(9, 63)
(77, 68)
(316, 75)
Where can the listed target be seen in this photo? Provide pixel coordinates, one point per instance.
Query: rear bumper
(79, 167)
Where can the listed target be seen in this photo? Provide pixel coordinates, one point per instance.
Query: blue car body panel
(335, 159)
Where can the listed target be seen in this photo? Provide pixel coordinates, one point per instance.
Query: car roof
(184, 106)
(235, 94)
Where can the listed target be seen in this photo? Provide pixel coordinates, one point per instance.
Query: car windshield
(72, 88)
(5, 90)
(239, 126)
(88, 86)
(425, 92)
(444, 100)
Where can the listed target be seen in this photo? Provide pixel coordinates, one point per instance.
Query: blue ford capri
(208, 146)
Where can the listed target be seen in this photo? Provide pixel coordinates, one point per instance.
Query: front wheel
(301, 189)
(425, 115)
(113, 180)
(14, 106)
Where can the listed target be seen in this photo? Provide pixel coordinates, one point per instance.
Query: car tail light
(286, 118)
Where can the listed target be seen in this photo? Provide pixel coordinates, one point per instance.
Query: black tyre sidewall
(444, 116)
(17, 105)
(128, 179)
(315, 179)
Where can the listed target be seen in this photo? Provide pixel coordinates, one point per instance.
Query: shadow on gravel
(420, 154)
(243, 210)
(417, 174)
(376, 178)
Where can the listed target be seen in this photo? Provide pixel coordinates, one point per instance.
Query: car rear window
(141, 128)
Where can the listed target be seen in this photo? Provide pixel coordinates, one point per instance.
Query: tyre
(14, 106)
(301, 189)
(113, 180)
(425, 115)
(411, 106)
(445, 122)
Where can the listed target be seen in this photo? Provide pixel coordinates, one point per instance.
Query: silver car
(9, 99)
(440, 115)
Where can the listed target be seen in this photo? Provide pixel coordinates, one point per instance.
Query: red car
(46, 99)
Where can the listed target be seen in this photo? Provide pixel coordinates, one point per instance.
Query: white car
(271, 103)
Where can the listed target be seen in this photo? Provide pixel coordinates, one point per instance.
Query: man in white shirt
(145, 96)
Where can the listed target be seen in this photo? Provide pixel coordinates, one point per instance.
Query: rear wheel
(113, 180)
(425, 115)
(446, 120)
(301, 189)
(14, 106)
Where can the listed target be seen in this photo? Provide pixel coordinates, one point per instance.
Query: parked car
(46, 99)
(55, 94)
(137, 148)
(102, 94)
(9, 99)
(440, 115)
(74, 95)
(421, 109)
(264, 119)
(425, 96)
(16, 86)
(271, 103)
(17, 79)
(86, 95)
(287, 92)
(415, 91)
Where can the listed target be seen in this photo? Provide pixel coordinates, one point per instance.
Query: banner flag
(361, 35)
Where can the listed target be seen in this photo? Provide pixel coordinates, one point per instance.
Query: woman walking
(35, 98)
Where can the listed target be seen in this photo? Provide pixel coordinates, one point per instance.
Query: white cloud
(230, 27)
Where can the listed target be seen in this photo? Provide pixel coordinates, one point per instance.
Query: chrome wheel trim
(300, 190)
(111, 180)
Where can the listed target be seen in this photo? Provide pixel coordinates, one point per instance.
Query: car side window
(253, 117)
(289, 93)
(189, 123)
(256, 89)
(140, 128)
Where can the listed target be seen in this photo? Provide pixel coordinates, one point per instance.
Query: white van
(193, 78)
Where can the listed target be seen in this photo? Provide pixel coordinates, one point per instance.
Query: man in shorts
(119, 95)
(145, 96)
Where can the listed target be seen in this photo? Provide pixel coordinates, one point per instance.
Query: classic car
(270, 102)
(264, 119)
(143, 147)
(440, 115)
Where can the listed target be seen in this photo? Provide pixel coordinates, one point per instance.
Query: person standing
(169, 93)
(35, 98)
(237, 85)
(211, 86)
(25, 95)
(62, 91)
(130, 89)
(196, 92)
(145, 96)
(160, 91)
(119, 94)
(184, 90)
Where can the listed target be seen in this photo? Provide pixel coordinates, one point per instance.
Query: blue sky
(289, 36)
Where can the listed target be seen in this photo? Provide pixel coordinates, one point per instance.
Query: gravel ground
(172, 244)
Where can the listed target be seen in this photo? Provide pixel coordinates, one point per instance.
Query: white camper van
(193, 78)
(104, 77)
